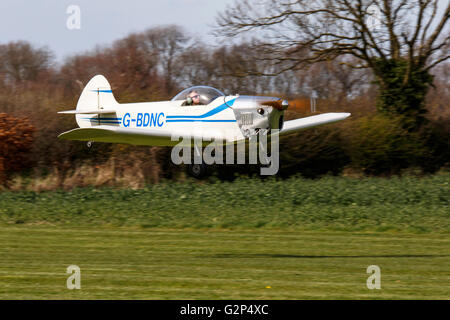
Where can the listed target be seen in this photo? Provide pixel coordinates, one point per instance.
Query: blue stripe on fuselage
(208, 114)
(196, 120)
(108, 91)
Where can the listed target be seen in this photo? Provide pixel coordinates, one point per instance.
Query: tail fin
(97, 95)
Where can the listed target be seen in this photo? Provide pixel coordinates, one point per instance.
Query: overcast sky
(43, 22)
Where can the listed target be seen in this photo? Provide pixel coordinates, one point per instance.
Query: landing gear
(197, 171)
(89, 145)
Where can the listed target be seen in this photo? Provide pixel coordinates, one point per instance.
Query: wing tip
(67, 112)
(345, 115)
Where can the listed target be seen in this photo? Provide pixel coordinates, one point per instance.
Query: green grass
(398, 204)
(252, 239)
(126, 263)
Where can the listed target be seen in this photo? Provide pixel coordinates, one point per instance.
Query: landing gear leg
(197, 170)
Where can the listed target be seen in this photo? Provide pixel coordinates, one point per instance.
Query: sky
(44, 22)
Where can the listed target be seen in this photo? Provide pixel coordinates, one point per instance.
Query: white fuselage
(171, 116)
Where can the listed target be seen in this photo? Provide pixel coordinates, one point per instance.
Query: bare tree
(408, 38)
(129, 64)
(335, 80)
(226, 68)
(167, 43)
(20, 61)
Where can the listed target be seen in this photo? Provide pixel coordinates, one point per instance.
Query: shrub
(313, 152)
(380, 145)
(16, 139)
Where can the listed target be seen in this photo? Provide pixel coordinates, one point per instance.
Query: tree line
(158, 63)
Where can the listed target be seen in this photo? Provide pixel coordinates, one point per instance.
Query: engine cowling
(259, 113)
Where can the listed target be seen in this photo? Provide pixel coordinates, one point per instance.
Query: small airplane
(200, 112)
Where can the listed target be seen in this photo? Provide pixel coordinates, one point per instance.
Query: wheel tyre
(198, 170)
(88, 146)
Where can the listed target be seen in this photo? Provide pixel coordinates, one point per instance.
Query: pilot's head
(194, 96)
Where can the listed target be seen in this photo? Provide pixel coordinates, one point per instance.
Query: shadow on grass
(268, 255)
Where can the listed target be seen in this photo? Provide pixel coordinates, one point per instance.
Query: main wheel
(197, 170)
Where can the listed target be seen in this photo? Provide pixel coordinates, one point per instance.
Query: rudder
(96, 95)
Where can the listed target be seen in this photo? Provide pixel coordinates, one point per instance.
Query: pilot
(192, 99)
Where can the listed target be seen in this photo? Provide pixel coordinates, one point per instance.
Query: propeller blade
(277, 104)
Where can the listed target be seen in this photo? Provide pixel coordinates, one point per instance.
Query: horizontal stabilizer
(97, 111)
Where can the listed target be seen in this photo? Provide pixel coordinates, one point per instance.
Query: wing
(160, 137)
(147, 137)
(303, 123)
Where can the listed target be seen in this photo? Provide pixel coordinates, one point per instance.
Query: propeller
(279, 104)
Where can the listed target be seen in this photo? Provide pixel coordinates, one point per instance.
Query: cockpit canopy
(207, 94)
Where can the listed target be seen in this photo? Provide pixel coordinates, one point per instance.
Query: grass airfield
(312, 248)
(118, 263)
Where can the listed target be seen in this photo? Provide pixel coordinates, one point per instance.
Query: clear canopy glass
(207, 94)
